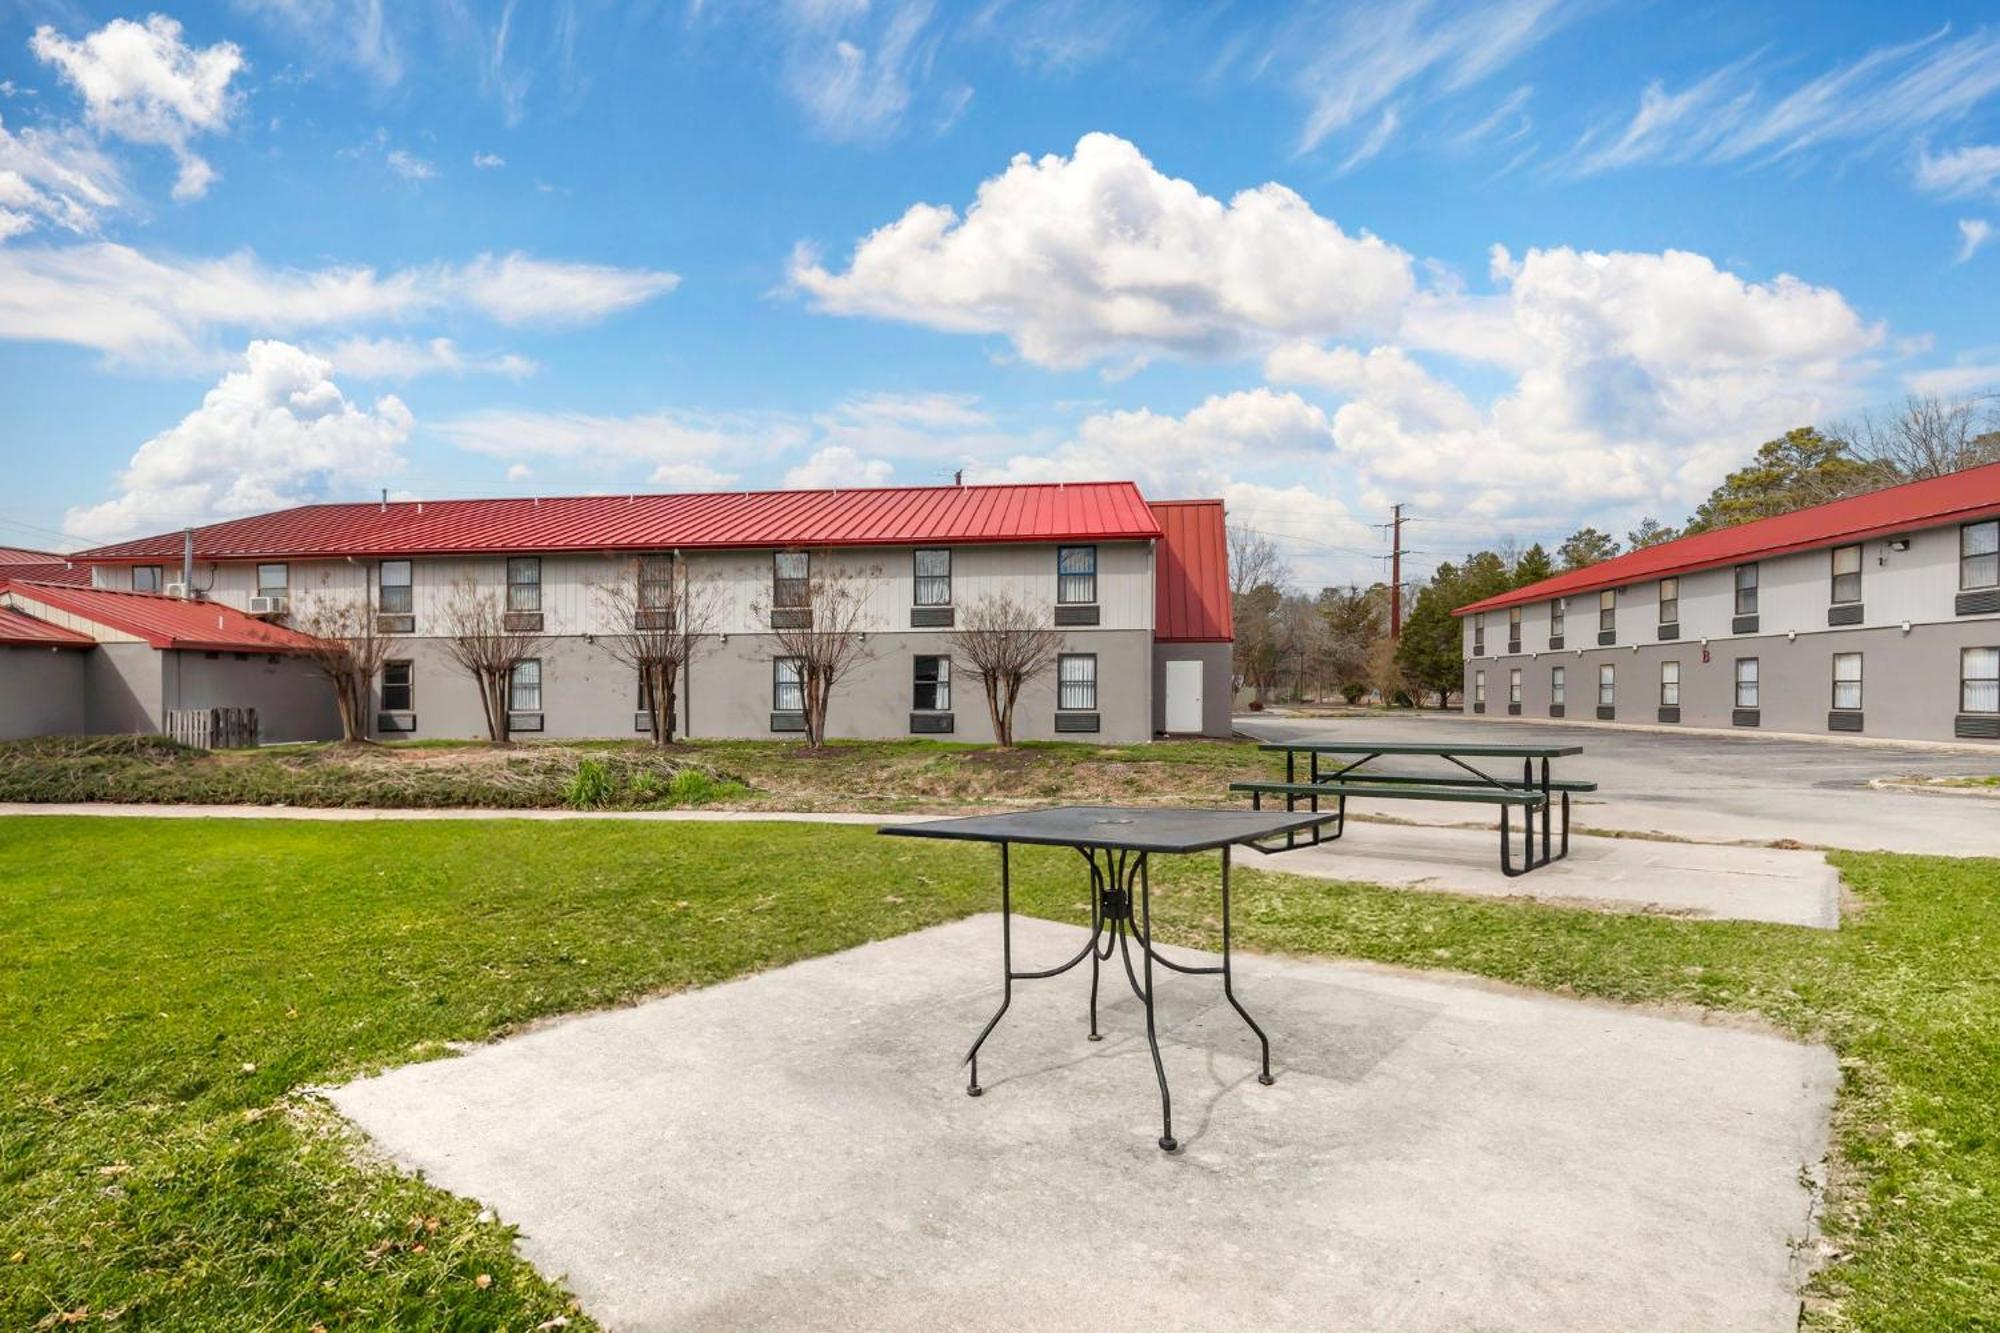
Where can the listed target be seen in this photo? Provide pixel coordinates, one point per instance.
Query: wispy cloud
(1885, 97)
(1973, 169)
(1972, 234)
(1378, 139)
(1507, 123)
(409, 166)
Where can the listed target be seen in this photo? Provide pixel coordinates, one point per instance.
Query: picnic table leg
(1506, 849)
(972, 1088)
(1228, 977)
(1167, 1143)
(1097, 924)
(1548, 813)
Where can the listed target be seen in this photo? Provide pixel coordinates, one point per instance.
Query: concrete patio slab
(1619, 874)
(795, 1150)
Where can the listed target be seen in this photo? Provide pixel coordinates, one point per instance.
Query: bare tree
(481, 637)
(1258, 580)
(1931, 436)
(349, 651)
(1005, 645)
(1254, 562)
(821, 625)
(659, 613)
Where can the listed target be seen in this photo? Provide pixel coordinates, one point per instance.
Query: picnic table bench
(1535, 795)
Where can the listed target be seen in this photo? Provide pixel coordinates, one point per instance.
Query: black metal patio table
(1116, 844)
(1353, 777)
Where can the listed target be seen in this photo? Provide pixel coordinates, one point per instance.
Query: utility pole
(1396, 575)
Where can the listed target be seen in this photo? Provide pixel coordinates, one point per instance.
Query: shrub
(693, 786)
(645, 788)
(591, 788)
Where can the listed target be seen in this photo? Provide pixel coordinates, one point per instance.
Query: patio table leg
(1228, 978)
(972, 1088)
(1167, 1143)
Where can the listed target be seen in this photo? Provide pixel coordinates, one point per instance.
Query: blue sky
(1518, 265)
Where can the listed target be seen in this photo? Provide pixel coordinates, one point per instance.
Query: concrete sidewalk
(796, 1149)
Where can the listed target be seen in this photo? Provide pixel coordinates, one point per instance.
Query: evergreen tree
(1799, 469)
(1586, 546)
(1650, 532)
(1533, 566)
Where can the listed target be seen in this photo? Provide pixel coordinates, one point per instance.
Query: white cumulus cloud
(837, 466)
(143, 83)
(275, 432)
(1100, 256)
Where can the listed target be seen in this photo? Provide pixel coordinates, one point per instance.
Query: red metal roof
(163, 622)
(21, 555)
(18, 627)
(1084, 511)
(1955, 498)
(1191, 573)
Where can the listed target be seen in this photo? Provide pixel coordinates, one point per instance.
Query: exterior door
(1184, 696)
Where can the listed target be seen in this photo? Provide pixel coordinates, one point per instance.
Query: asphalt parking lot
(1711, 788)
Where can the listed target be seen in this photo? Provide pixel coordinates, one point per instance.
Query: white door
(1184, 696)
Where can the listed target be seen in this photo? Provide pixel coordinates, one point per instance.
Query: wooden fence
(213, 728)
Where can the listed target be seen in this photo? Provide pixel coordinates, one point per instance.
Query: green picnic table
(1535, 793)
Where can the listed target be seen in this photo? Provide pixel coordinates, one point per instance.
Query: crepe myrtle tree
(820, 622)
(659, 614)
(349, 650)
(1004, 645)
(482, 639)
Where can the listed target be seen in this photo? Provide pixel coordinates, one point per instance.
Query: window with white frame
(1846, 574)
(1847, 680)
(788, 685)
(1556, 609)
(393, 595)
(1607, 611)
(1670, 684)
(1076, 682)
(1979, 680)
(1479, 687)
(932, 569)
(399, 687)
(1514, 685)
(274, 580)
(524, 687)
(1670, 601)
(1513, 628)
(1478, 633)
(1979, 555)
(655, 577)
(524, 583)
(1746, 682)
(145, 578)
(791, 582)
(1076, 575)
(1607, 685)
(1746, 590)
(1558, 684)
(933, 685)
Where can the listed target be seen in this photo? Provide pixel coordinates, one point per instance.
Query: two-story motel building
(1139, 591)
(1877, 615)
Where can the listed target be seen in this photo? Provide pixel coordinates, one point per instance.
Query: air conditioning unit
(179, 590)
(269, 606)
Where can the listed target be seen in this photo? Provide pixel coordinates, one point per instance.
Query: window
(1670, 684)
(1076, 574)
(1746, 682)
(788, 685)
(655, 575)
(274, 581)
(1478, 633)
(1979, 680)
(1514, 686)
(1479, 687)
(1846, 574)
(1556, 609)
(1607, 611)
(524, 687)
(933, 685)
(933, 578)
(791, 582)
(399, 687)
(1513, 629)
(1558, 684)
(1979, 555)
(524, 583)
(145, 578)
(1607, 686)
(1076, 682)
(1847, 680)
(1746, 590)
(1670, 601)
(394, 597)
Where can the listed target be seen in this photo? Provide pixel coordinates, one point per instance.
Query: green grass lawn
(171, 987)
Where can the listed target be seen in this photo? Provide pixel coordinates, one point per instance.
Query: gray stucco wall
(727, 692)
(41, 691)
(1910, 684)
(1217, 681)
(122, 689)
(292, 699)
